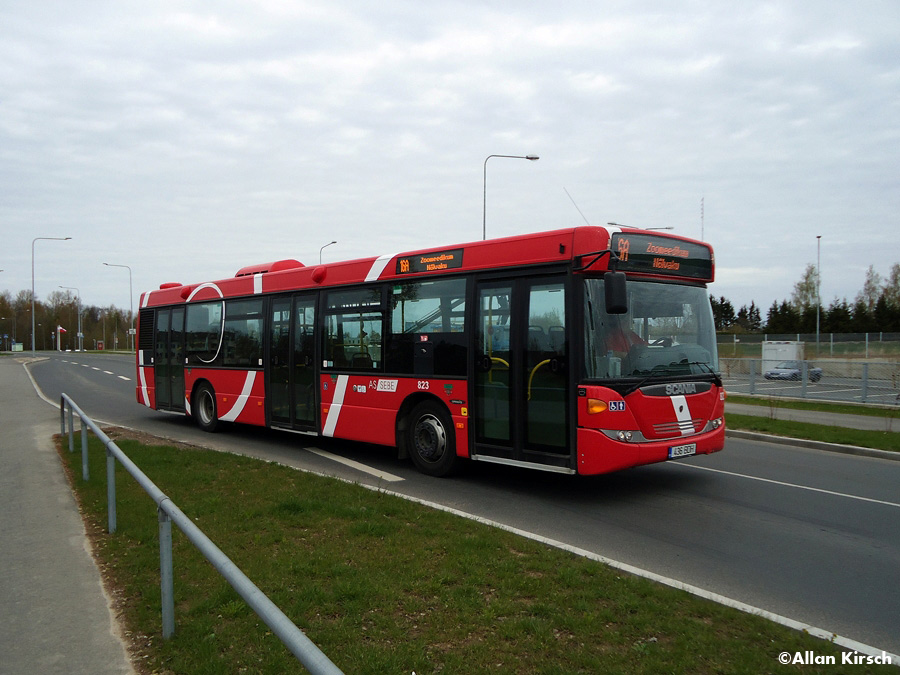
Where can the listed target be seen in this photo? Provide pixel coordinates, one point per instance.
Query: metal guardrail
(312, 658)
(835, 380)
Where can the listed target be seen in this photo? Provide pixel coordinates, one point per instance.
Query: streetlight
(130, 299)
(323, 248)
(818, 287)
(531, 158)
(80, 335)
(32, 282)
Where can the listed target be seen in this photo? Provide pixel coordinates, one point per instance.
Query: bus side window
(353, 330)
(427, 322)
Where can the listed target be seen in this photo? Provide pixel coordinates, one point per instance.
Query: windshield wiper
(716, 378)
(662, 371)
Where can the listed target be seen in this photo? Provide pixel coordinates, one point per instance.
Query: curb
(814, 445)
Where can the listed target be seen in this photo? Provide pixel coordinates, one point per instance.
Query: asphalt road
(814, 536)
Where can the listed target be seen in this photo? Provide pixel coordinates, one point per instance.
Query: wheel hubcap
(430, 438)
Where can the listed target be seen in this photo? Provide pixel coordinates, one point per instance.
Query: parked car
(793, 370)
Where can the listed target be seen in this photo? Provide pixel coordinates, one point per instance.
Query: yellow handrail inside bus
(533, 371)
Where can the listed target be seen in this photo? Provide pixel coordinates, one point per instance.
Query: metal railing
(312, 658)
(836, 380)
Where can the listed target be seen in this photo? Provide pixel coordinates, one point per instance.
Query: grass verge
(383, 585)
(889, 439)
(879, 440)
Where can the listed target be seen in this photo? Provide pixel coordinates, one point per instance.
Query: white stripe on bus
(334, 410)
(238, 407)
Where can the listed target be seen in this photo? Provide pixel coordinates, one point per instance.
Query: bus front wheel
(204, 407)
(431, 439)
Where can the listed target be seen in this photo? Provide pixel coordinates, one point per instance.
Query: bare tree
(871, 289)
(804, 295)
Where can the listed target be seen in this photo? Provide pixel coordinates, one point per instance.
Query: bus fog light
(716, 423)
(624, 436)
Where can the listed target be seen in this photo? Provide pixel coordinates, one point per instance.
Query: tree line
(875, 308)
(108, 325)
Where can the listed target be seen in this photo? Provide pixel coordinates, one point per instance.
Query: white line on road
(793, 485)
(383, 475)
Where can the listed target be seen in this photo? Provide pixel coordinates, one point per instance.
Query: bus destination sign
(651, 254)
(430, 262)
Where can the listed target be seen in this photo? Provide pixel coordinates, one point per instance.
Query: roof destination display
(430, 262)
(653, 254)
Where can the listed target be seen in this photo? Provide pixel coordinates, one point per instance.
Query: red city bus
(582, 350)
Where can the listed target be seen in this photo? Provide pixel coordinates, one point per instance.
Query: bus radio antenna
(576, 206)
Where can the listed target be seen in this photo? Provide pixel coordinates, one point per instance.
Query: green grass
(383, 585)
(879, 440)
(888, 439)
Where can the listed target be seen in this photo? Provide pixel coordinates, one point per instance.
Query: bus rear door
(168, 359)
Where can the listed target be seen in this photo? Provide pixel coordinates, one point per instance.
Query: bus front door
(168, 359)
(521, 380)
(292, 391)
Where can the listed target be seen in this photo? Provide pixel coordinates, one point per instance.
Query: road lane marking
(383, 475)
(793, 485)
(122, 377)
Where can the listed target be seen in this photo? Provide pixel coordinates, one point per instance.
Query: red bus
(582, 350)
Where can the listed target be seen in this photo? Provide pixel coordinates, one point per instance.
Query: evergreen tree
(754, 318)
(838, 318)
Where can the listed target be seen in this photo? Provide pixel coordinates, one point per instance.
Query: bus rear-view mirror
(616, 297)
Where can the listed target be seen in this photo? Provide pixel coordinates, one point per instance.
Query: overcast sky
(190, 139)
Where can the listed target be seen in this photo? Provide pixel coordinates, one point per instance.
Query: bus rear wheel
(431, 439)
(204, 408)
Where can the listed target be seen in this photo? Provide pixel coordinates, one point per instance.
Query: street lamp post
(80, 335)
(32, 281)
(531, 158)
(818, 287)
(323, 248)
(130, 300)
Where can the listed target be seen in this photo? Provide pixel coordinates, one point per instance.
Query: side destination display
(430, 262)
(660, 255)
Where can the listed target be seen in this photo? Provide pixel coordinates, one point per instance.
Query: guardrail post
(110, 490)
(165, 574)
(85, 471)
(865, 380)
(71, 431)
(62, 416)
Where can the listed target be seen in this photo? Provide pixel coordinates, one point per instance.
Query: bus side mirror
(616, 297)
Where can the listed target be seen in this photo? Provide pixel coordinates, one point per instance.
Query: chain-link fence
(824, 345)
(841, 380)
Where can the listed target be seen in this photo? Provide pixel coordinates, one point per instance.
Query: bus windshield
(667, 331)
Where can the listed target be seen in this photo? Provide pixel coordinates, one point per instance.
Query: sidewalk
(55, 617)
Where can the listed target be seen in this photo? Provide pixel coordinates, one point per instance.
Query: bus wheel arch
(204, 409)
(426, 434)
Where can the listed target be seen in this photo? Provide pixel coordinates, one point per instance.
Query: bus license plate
(682, 450)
